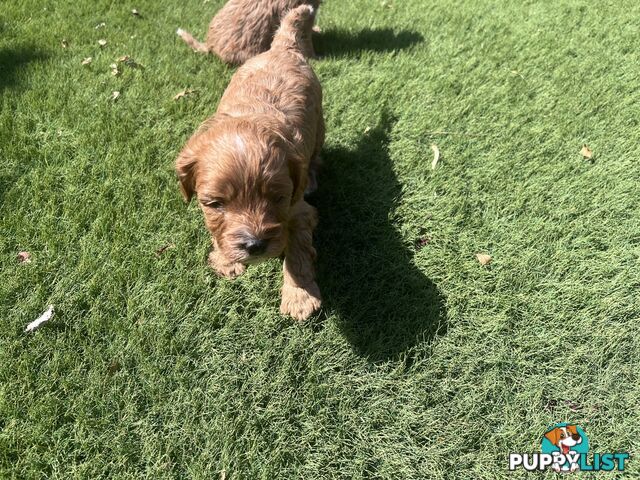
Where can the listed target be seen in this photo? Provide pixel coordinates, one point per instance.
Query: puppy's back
(280, 83)
(246, 28)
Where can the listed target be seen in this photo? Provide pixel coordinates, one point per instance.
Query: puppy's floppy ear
(553, 436)
(186, 170)
(572, 429)
(298, 173)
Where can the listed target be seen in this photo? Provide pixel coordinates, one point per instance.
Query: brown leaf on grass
(102, 42)
(184, 93)
(421, 242)
(483, 258)
(24, 257)
(115, 95)
(113, 367)
(586, 152)
(129, 62)
(164, 248)
(436, 156)
(87, 61)
(573, 406)
(64, 43)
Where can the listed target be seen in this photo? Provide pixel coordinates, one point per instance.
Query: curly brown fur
(243, 29)
(249, 165)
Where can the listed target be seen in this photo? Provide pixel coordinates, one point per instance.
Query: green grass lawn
(422, 363)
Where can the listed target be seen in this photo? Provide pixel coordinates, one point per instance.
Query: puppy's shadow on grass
(343, 42)
(15, 59)
(386, 305)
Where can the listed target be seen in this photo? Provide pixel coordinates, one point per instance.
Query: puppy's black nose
(255, 246)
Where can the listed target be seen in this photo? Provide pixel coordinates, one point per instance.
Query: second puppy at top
(245, 28)
(249, 165)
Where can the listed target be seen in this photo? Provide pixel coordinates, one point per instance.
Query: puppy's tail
(192, 42)
(295, 31)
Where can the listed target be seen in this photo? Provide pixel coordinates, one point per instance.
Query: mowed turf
(422, 363)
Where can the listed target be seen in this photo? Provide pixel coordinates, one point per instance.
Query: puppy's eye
(217, 204)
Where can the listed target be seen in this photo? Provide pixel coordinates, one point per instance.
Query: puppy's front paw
(300, 303)
(227, 270)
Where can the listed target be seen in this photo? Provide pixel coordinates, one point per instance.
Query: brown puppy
(245, 28)
(249, 164)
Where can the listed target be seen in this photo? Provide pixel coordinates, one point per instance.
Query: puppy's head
(246, 176)
(564, 437)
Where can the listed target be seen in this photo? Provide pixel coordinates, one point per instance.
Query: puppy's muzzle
(255, 246)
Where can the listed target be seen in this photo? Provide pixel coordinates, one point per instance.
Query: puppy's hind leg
(300, 292)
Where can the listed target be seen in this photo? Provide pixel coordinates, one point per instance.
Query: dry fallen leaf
(130, 62)
(184, 93)
(113, 367)
(316, 29)
(115, 95)
(114, 70)
(586, 151)
(483, 258)
(573, 406)
(87, 61)
(436, 156)
(102, 42)
(135, 13)
(45, 317)
(24, 257)
(163, 249)
(64, 43)
(421, 242)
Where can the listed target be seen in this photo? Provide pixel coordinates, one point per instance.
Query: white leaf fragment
(45, 317)
(436, 156)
